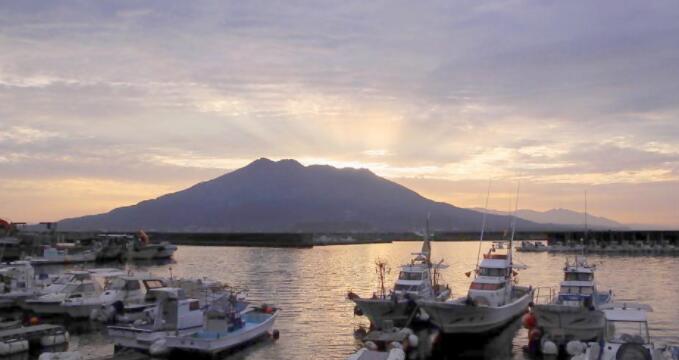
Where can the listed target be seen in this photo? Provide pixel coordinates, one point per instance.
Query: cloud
(550, 92)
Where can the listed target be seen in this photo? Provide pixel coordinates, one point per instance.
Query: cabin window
(194, 305)
(586, 290)
(497, 272)
(153, 284)
(486, 286)
(405, 275)
(405, 288)
(132, 285)
(627, 331)
(572, 276)
(114, 284)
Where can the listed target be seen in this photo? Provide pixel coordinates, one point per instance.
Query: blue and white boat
(226, 326)
(574, 313)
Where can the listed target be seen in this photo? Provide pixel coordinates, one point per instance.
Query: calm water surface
(317, 321)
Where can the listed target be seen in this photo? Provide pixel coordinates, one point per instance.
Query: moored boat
(493, 299)
(573, 314)
(226, 325)
(416, 280)
(625, 336)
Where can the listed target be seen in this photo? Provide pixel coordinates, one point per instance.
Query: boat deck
(31, 332)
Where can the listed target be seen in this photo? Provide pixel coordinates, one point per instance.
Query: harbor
(285, 277)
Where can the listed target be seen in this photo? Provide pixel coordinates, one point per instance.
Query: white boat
(112, 246)
(226, 326)
(83, 284)
(140, 248)
(125, 312)
(535, 246)
(573, 314)
(52, 255)
(493, 300)
(416, 280)
(128, 290)
(625, 336)
(174, 315)
(17, 283)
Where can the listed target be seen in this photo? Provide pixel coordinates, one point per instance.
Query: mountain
(281, 196)
(564, 217)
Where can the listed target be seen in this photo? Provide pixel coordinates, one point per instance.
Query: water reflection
(317, 322)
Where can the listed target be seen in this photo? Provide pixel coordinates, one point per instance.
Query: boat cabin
(18, 275)
(489, 287)
(413, 280)
(626, 326)
(175, 311)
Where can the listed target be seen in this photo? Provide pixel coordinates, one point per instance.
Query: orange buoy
(529, 321)
(34, 320)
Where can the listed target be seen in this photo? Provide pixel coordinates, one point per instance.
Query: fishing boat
(574, 313)
(127, 290)
(227, 325)
(174, 315)
(62, 255)
(493, 299)
(16, 283)
(416, 280)
(535, 246)
(625, 336)
(127, 311)
(140, 248)
(83, 284)
(112, 246)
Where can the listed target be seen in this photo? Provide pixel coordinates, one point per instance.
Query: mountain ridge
(286, 196)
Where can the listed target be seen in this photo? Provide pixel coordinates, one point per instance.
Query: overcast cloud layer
(108, 103)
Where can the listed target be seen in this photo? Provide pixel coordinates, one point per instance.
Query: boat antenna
(426, 246)
(483, 225)
(516, 209)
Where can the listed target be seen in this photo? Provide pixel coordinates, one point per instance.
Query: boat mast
(511, 239)
(483, 226)
(426, 246)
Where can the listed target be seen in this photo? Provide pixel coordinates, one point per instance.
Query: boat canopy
(494, 263)
(625, 315)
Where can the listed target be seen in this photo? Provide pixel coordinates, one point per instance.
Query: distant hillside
(564, 217)
(268, 196)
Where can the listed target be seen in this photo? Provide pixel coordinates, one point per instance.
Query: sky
(107, 103)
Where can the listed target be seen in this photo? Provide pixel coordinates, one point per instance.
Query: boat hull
(379, 311)
(565, 323)
(460, 318)
(45, 307)
(142, 339)
(214, 344)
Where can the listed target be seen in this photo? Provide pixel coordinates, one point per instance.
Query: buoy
(34, 320)
(276, 334)
(358, 311)
(370, 345)
(549, 348)
(413, 340)
(575, 347)
(396, 354)
(528, 320)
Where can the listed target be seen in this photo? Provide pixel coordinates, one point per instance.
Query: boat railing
(544, 295)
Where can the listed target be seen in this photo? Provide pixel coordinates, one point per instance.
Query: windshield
(410, 275)
(114, 284)
(491, 272)
(627, 331)
(62, 280)
(406, 288)
(571, 276)
(584, 290)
